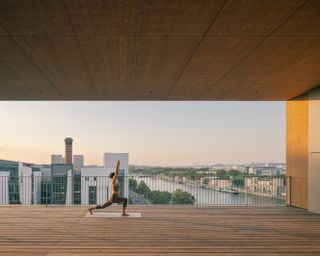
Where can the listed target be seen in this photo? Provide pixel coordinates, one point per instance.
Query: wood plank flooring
(170, 230)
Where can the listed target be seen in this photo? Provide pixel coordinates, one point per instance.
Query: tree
(223, 175)
(182, 197)
(159, 197)
(234, 172)
(239, 182)
(143, 189)
(133, 184)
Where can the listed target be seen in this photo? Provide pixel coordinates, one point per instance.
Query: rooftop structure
(57, 159)
(68, 150)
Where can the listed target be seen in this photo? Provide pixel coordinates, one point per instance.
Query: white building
(56, 159)
(78, 162)
(25, 184)
(95, 185)
(69, 191)
(4, 187)
(274, 187)
(221, 183)
(264, 170)
(37, 178)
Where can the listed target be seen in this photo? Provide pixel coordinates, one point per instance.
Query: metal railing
(144, 190)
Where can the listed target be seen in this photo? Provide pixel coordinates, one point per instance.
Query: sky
(153, 133)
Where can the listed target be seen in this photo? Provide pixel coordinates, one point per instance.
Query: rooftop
(175, 230)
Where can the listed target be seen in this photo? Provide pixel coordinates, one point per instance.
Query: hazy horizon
(153, 133)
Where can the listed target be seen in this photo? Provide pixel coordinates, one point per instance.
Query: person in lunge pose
(115, 194)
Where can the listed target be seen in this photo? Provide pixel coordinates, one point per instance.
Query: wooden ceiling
(158, 50)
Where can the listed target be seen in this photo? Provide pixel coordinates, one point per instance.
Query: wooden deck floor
(162, 230)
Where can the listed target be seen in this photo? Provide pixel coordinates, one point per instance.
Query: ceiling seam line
(196, 48)
(34, 64)
(255, 48)
(17, 88)
(80, 50)
(292, 61)
(40, 70)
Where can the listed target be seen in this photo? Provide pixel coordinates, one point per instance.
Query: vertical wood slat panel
(297, 150)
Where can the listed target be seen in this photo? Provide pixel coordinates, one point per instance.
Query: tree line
(167, 171)
(161, 197)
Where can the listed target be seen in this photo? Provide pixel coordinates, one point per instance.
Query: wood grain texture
(40, 230)
(158, 50)
(297, 150)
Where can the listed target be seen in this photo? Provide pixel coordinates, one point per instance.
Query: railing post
(247, 199)
(197, 192)
(46, 193)
(288, 190)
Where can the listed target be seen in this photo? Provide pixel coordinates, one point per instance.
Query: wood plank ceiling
(158, 50)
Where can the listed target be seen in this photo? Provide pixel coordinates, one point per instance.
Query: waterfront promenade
(162, 230)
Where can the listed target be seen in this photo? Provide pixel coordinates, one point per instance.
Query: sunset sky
(153, 133)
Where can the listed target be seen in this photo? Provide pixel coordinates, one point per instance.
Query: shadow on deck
(170, 230)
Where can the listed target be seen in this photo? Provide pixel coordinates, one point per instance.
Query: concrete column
(314, 151)
(303, 151)
(297, 151)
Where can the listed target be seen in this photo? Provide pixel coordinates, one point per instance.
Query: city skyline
(153, 133)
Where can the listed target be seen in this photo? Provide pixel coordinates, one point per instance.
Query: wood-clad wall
(297, 151)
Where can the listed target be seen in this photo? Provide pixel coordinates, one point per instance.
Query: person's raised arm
(117, 170)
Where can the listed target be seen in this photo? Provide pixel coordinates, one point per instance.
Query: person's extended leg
(101, 206)
(124, 206)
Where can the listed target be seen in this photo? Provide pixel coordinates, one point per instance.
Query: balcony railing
(144, 190)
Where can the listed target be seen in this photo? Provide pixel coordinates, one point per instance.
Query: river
(205, 196)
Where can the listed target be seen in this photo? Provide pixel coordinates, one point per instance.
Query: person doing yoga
(115, 194)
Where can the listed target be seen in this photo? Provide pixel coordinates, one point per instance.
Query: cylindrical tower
(68, 155)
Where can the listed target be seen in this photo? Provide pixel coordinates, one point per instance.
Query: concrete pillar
(297, 152)
(303, 151)
(314, 152)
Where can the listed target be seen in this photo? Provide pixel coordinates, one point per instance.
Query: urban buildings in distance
(65, 181)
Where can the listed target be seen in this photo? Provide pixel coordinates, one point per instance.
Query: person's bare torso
(115, 187)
